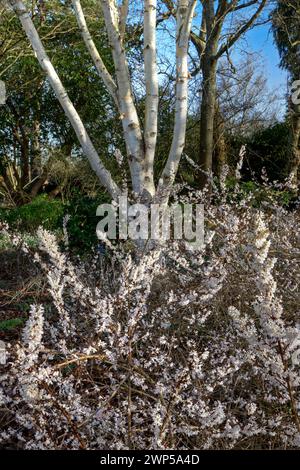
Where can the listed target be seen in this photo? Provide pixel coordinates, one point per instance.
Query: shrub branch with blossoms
(175, 350)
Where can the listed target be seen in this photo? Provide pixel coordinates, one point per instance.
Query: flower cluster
(172, 349)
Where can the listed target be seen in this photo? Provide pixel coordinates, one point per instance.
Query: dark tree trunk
(36, 157)
(295, 141)
(24, 163)
(219, 153)
(207, 115)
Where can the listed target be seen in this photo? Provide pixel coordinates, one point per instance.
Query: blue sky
(260, 40)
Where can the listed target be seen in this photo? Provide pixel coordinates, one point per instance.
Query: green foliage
(41, 211)
(269, 149)
(11, 324)
(83, 221)
(49, 214)
(5, 240)
(32, 122)
(286, 19)
(258, 194)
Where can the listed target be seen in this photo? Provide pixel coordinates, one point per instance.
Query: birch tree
(140, 132)
(34, 131)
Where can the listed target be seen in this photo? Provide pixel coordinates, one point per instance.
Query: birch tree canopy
(139, 132)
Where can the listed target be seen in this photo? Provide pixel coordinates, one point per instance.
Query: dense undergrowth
(178, 349)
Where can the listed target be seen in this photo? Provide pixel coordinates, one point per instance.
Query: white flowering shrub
(175, 350)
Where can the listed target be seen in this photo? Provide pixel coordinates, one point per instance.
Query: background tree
(220, 25)
(245, 106)
(286, 27)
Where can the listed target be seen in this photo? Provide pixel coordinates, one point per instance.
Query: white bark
(78, 126)
(94, 53)
(131, 126)
(123, 9)
(151, 79)
(140, 149)
(185, 13)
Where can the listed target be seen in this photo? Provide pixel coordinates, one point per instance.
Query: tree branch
(151, 79)
(123, 14)
(130, 121)
(94, 53)
(185, 14)
(234, 37)
(61, 94)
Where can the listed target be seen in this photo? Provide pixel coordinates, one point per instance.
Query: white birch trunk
(123, 9)
(140, 150)
(94, 53)
(151, 79)
(130, 121)
(78, 126)
(185, 13)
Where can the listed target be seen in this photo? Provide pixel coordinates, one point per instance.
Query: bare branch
(234, 37)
